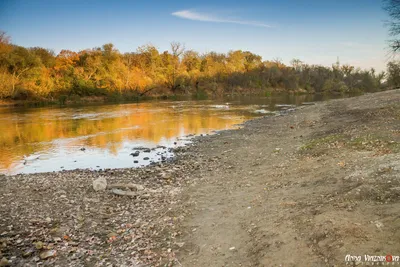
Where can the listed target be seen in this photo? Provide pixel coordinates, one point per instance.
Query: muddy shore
(306, 188)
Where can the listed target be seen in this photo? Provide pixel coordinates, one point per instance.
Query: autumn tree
(172, 64)
(5, 46)
(47, 57)
(104, 71)
(19, 61)
(5, 76)
(251, 61)
(64, 71)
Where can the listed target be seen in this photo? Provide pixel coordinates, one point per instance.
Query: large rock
(100, 184)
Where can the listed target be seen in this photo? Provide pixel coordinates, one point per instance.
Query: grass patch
(369, 142)
(374, 142)
(322, 142)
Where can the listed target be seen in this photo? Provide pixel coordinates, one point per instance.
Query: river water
(109, 136)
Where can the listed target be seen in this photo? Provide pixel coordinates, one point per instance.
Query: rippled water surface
(107, 136)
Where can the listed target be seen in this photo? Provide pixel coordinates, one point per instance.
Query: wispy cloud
(194, 15)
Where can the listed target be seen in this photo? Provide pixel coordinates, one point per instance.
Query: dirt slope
(305, 189)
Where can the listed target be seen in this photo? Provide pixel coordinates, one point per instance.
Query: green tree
(393, 74)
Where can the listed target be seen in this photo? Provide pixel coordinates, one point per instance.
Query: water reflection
(104, 131)
(53, 137)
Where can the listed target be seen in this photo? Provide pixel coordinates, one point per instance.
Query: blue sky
(315, 31)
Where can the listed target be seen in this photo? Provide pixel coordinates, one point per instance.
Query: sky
(314, 31)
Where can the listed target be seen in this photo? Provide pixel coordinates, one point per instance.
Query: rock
(112, 234)
(100, 184)
(4, 262)
(120, 192)
(82, 149)
(180, 244)
(378, 225)
(27, 253)
(39, 245)
(135, 154)
(146, 158)
(135, 161)
(136, 187)
(147, 150)
(47, 254)
(139, 187)
(232, 248)
(165, 175)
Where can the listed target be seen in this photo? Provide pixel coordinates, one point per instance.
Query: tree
(20, 60)
(5, 46)
(393, 78)
(47, 56)
(172, 63)
(191, 60)
(103, 71)
(392, 7)
(251, 61)
(296, 64)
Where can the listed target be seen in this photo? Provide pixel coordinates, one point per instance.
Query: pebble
(27, 253)
(100, 184)
(47, 254)
(39, 245)
(4, 262)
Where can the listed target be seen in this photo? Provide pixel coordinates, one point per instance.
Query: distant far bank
(38, 76)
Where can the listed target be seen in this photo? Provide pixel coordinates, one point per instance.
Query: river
(109, 136)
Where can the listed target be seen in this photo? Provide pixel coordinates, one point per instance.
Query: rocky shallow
(59, 219)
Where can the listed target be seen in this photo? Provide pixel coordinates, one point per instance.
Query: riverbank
(303, 189)
(134, 98)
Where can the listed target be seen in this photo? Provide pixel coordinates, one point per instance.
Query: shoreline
(106, 100)
(280, 183)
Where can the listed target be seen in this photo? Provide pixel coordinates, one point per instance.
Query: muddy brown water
(104, 136)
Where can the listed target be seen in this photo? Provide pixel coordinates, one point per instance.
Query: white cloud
(193, 15)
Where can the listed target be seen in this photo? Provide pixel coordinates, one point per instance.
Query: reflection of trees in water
(27, 133)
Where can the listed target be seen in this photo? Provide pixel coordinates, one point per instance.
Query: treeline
(38, 73)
